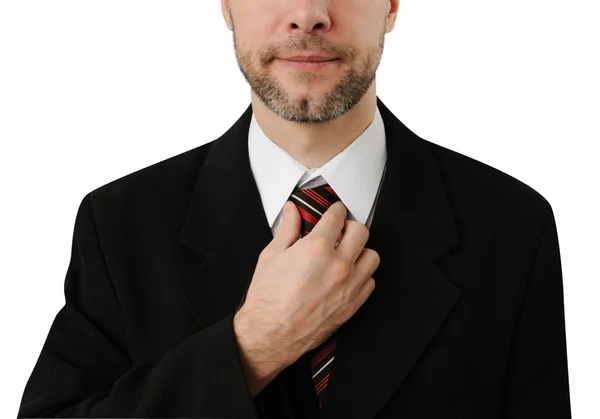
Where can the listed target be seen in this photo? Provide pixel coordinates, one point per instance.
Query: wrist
(260, 364)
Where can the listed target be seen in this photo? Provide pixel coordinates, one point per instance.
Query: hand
(303, 290)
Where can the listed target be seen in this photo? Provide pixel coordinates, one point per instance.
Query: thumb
(288, 231)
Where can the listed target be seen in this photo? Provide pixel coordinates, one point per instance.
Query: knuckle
(354, 224)
(373, 255)
(337, 219)
(341, 270)
(319, 245)
(377, 258)
(366, 233)
(359, 229)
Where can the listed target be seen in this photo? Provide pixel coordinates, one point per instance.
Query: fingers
(331, 223)
(288, 231)
(366, 290)
(347, 236)
(362, 295)
(353, 241)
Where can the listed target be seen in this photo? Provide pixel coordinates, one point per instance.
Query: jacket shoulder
(486, 189)
(175, 175)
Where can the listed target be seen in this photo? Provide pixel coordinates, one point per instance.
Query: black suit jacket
(466, 320)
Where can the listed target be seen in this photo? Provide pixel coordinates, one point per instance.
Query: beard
(313, 106)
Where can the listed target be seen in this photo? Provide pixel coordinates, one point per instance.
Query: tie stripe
(312, 204)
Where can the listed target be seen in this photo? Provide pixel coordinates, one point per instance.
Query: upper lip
(310, 57)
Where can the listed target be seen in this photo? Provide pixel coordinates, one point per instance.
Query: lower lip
(310, 65)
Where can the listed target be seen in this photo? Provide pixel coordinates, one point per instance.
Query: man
(406, 281)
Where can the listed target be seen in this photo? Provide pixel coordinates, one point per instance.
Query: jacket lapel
(412, 225)
(226, 225)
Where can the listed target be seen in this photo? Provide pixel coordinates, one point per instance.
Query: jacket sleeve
(84, 369)
(537, 382)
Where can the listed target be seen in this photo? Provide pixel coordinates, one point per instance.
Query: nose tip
(310, 19)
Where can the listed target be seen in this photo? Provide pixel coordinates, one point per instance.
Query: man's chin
(304, 116)
(312, 101)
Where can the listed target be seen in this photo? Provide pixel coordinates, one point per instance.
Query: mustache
(303, 44)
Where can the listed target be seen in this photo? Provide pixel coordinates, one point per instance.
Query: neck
(313, 145)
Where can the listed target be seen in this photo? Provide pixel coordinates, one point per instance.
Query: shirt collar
(354, 173)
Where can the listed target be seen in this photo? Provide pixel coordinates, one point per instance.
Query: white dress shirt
(355, 174)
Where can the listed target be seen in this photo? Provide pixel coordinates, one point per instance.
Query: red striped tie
(312, 203)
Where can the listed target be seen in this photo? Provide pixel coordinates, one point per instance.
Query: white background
(93, 90)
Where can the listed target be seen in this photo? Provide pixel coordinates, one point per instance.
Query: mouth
(309, 59)
(309, 63)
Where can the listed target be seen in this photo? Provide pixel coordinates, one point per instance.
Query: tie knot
(312, 204)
